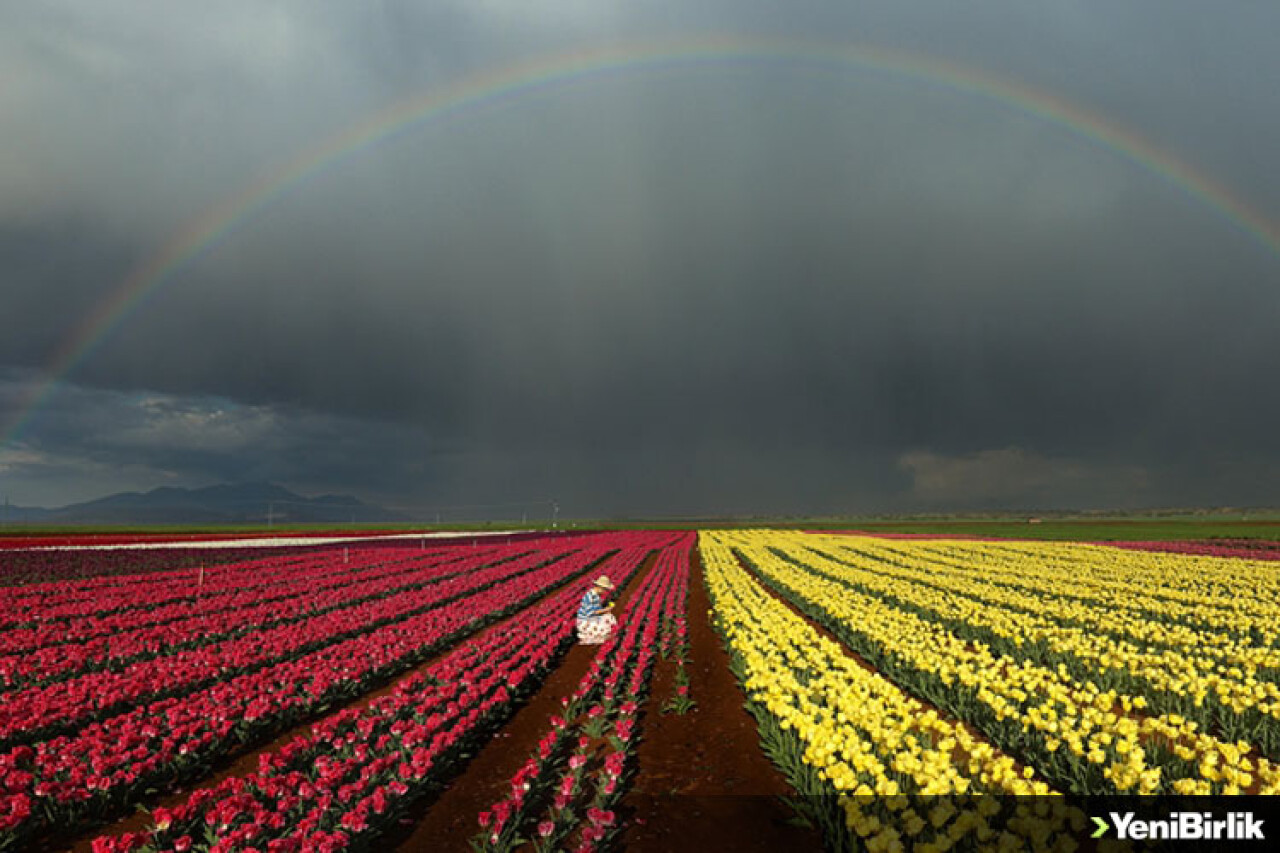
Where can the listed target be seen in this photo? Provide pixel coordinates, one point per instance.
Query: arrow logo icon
(1102, 828)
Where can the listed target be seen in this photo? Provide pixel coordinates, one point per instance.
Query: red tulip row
(39, 712)
(31, 569)
(106, 766)
(85, 596)
(177, 539)
(675, 644)
(222, 588)
(81, 607)
(562, 797)
(675, 629)
(208, 590)
(288, 602)
(346, 779)
(1247, 549)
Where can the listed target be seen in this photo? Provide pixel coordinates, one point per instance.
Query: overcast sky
(712, 288)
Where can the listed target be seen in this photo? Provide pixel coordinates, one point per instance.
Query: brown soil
(446, 823)
(703, 781)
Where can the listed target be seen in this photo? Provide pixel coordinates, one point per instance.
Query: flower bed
(1212, 660)
(105, 766)
(869, 760)
(81, 605)
(1096, 714)
(1246, 549)
(24, 569)
(68, 599)
(114, 641)
(987, 633)
(222, 661)
(39, 712)
(356, 771)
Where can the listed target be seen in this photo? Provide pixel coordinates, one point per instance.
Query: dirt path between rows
(446, 823)
(703, 783)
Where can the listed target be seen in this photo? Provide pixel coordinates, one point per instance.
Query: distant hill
(241, 503)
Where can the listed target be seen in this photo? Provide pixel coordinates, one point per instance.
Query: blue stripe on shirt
(590, 606)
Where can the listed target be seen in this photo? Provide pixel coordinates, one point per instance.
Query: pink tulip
(600, 817)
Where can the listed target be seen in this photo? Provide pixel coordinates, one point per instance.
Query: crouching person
(595, 622)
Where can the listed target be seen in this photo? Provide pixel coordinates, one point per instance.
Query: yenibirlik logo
(1183, 826)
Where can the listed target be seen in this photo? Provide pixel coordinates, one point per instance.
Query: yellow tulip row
(1195, 587)
(1029, 589)
(1100, 739)
(1194, 579)
(1126, 584)
(978, 576)
(863, 735)
(1228, 674)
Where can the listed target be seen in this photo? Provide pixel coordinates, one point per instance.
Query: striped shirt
(590, 606)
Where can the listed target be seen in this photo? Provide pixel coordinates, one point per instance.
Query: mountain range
(240, 503)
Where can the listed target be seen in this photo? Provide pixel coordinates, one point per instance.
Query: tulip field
(954, 667)
(907, 693)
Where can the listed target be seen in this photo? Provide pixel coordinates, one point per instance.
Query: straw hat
(604, 582)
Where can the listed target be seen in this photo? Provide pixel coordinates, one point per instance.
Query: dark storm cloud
(87, 442)
(743, 288)
(52, 271)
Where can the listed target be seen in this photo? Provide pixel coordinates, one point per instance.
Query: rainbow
(514, 83)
